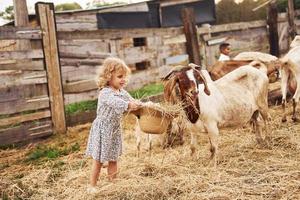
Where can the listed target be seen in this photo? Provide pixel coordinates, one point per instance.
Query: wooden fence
(31, 100)
(150, 52)
(32, 96)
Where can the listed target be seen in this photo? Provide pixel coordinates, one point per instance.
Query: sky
(30, 4)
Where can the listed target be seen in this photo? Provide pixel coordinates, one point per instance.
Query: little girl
(105, 139)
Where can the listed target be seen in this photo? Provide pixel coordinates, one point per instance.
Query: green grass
(147, 90)
(81, 107)
(44, 152)
(143, 92)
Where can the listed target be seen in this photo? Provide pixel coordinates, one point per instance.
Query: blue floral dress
(105, 139)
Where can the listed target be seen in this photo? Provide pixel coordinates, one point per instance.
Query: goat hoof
(268, 138)
(295, 119)
(193, 151)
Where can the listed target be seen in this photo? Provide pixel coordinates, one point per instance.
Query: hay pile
(155, 118)
(245, 170)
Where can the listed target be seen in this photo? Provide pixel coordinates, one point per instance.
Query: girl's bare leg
(112, 170)
(96, 168)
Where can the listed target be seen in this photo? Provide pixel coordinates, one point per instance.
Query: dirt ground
(245, 170)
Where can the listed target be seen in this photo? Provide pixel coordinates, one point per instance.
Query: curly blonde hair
(110, 65)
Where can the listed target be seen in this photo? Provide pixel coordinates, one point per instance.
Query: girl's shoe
(91, 190)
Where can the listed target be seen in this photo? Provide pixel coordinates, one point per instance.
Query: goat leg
(283, 119)
(295, 118)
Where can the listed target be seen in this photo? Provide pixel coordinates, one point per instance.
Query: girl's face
(117, 80)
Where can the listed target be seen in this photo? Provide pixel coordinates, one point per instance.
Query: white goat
(295, 42)
(233, 100)
(290, 72)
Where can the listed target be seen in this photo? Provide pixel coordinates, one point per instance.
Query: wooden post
(190, 31)
(45, 13)
(291, 18)
(21, 19)
(273, 31)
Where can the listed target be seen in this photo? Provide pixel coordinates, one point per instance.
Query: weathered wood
(75, 46)
(24, 132)
(84, 55)
(21, 105)
(80, 86)
(142, 78)
(24, 118)
(36, 65)
(273, 29)
(17, 92)
(47, 22)
(78, 97)
(21, 19)
(232, 27)
(74, 73)
(81, 118)
(9, 32)
(192, 43)
(76, 21)
(21, 55)
(291, 19)
(79, 62)
(11, 78)
(117, 34)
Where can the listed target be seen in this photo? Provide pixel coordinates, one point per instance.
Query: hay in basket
(155, 118)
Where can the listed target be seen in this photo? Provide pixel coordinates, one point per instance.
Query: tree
(228, 11)
(68, 6)
(283, 4)
(103, 4)
(8, 13)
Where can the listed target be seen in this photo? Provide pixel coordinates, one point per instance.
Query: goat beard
(191, 108)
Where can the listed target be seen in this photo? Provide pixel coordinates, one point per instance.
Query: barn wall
(150, 53)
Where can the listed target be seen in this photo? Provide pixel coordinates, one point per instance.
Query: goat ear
(198, 70)
(206, 89)
(169, 87)
(169, 75)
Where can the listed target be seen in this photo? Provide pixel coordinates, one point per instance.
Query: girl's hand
(134, 105)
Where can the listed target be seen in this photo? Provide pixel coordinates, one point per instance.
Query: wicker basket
(153, 121)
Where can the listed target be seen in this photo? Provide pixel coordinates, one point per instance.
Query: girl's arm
(118, 104)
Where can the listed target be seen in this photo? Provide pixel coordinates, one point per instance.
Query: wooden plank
(21, 19)
(80, 86)
(117, 33)
(24, 118)
(75, 46)
(25, 132)
(21, 55)
(192, 43)
(21, 105)
(36, 65)
(81, 118)
(137, 54)
(291, 19)
(78, 97)
(273, 29)
(17, 92)
(152, 75)
(47, 22)
(74, 73)
(79, 62)
(84, 55)
(12, 32)
(11, 78)
(76, 21)
(232, 27)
